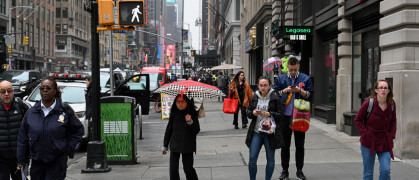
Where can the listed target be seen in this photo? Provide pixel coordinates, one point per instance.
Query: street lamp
(10, 28)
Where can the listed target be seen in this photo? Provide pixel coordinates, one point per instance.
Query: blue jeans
(255, 145)
(384, 158)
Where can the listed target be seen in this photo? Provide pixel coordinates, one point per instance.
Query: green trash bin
(118, 129)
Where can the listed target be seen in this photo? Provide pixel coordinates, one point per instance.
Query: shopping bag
(230, 105)
(201, 111)
(267, 126)
(301, 116)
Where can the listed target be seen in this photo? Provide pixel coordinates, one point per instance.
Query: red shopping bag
(230, 105)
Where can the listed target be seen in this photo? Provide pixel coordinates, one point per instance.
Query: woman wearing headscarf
(180, 136)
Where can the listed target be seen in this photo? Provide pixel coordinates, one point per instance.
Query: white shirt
(47, 110)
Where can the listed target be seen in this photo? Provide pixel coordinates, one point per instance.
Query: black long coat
(180, 135)
(276, 109)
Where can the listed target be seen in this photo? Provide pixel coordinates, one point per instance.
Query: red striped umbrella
(193, 89)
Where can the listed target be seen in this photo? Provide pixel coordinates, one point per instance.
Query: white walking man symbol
(135, 13)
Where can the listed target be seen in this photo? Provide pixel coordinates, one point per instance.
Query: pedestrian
(292, 85)
(222, 84)
(49, 134)
(241, 90)
(181, 132)
(377, 130)
(12, 111)
(265, 103)
(88, 97)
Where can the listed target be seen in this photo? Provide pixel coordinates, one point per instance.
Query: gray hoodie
(263, 103)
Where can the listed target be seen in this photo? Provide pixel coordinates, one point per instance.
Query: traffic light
(131, 12)
(106, 12)
(25, 40)
(193, 53)
(9, 49)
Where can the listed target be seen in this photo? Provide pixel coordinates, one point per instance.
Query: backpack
(370, 104)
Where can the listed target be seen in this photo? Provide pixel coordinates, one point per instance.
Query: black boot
(284, 175)
(244, 126)
(236, 126)
(300, 175)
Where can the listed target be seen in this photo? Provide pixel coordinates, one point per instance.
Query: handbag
(201, 111)
(301, 116)
(267, 126)
(230, 105)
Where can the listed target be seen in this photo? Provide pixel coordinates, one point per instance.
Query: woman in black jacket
(181, 132)
(264, 103)
(88, 96)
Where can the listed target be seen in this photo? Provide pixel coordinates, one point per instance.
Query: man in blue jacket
(290, 86)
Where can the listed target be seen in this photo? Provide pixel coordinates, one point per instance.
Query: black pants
(8, 170)
(187, 160)
(236, 115)
(299, 138)
(55, 170)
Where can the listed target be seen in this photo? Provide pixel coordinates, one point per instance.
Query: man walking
(12, 111)
(135, 13)
(290, 86)
(222, 84)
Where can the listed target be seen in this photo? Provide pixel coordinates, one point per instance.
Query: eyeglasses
(383, 88)
(263, 85)
(9, 91)
(178, 102)
(292, 70)
(45, 88)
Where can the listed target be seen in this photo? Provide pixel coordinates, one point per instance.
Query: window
(297, 13)
(65, 12)
(58, 29)
(61, 47)
(65, 29)
(48, 17)
(48, 43)
(76, 17)
(238, 10)
(43, 42)
(58, 10)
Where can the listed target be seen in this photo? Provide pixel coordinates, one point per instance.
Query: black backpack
(370, 104)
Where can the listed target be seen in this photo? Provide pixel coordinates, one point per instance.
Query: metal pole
(111, 61)
(95, 73)
(181, 50)
(10, 31)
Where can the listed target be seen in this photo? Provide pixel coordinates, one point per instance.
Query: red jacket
(379, 129)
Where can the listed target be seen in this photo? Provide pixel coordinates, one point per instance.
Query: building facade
(72, 45)
(230, 49)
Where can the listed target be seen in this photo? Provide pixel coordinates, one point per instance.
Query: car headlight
(23, 88)
(80, 114)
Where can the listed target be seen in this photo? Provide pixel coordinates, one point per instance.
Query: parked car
(73, 94)
(23, 81)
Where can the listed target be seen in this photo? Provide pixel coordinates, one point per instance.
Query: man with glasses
(292, 85)
(12, 112)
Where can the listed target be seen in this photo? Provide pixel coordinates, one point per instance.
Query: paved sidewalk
(222, 154)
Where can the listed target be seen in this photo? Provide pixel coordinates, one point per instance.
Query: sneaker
(300, 175)
(236, 126)
(244, 126)
(284, 175)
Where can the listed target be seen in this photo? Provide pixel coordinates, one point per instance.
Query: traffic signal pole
(96, 161)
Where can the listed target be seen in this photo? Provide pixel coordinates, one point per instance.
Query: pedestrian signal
(9, 49)
(106, 12)
(25, 40)
(131, 13)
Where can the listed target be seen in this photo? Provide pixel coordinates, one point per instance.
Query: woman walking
(241, 90)
(264, 104)
(48, 135)
(181, 132)
(377, 130)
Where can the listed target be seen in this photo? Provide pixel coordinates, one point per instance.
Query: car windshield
(70, 94)
(155, 77)
(104, 77)
(15, 75)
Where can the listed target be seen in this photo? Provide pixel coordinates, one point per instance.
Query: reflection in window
(356, 72)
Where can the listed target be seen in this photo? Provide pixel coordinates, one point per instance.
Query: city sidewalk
(222, 154)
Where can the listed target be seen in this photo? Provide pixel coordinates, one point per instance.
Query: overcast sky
(191, 13)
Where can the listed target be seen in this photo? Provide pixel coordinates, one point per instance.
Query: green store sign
(298, 30)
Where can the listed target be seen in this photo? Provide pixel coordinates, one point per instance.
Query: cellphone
(257, 110)
(293, 86)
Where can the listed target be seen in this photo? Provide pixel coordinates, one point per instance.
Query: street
(222, 154)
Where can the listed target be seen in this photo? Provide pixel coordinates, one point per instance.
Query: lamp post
(10, 27)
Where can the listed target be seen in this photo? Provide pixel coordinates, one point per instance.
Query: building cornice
(263, 14)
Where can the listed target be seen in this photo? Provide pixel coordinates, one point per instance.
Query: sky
(191, 13)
